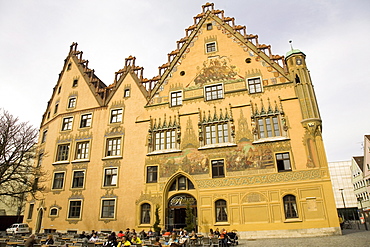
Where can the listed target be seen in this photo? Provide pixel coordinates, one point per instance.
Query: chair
(215, 242)
(206, 242)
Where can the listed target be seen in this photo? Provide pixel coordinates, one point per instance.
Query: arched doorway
(39, 220)
(176, 211)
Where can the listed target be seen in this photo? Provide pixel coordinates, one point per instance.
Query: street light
(362, 212)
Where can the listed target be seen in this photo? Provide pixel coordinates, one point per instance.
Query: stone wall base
(293, 233)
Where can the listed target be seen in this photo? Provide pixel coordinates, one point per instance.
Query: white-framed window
(116, 116)
(283, 162)
(151, 174)
(113, 147)
(54, 211)
(75, 209)
(213, 92)
(254, 85)
(58, 181)
(82, 150)
(86, 120)
(78, 179)
(72, 102)
(268, 126)
(176, 98)
(165, 139)
(62, 152)
(216, 133)
(211, 47)
(108, 207)
(67, 123)
(110, 176)
(126, 93)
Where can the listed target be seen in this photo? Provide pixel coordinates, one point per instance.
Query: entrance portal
(176, 211)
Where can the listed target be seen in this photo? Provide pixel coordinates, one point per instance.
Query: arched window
(54, 211)
(181, 183)
(290, 207)
(145, 213)
(221, 211)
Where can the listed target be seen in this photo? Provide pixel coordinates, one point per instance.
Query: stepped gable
(277, 62)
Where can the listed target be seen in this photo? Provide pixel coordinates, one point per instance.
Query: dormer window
(211, 47)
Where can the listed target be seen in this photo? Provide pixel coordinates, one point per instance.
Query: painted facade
(226, 127)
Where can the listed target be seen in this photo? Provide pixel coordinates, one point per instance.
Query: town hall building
(226, 127)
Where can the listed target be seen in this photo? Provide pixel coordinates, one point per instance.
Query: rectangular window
(209, 26)
(56, 108)
(110, 177)
(72, 102)
(254, 85)
(82, 150)
(113, 146)
(108, 208)
(165, 139)
(151, 174)
(30, 211)
(283, 162)
(176, 98)
(116, 116)
(86, 120)
(214, 92)
(217, 168)
(210, 47)
(216, 133)
(78, 179)
(58, 181)
(75, 209)
(44, 134)
(67, 123)
(62, 152)
(290, 207)
(268, 126)
(75, 83)
(126, 93)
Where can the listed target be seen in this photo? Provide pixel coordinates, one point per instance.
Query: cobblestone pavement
(351, 238)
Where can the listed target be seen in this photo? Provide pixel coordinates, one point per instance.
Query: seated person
(120, 234)
(135, 239)
(94, 238)
(124, 242)
(173, 239)
(49, 240)
(157, 243)
(83, 235)
(193, 235)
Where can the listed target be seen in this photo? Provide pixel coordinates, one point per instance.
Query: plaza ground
(350, 237)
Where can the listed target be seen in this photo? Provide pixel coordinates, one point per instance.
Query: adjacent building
(226, 128)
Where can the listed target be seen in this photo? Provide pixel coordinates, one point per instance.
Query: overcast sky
(35, 37)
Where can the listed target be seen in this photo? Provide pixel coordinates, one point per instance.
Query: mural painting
(215, 70)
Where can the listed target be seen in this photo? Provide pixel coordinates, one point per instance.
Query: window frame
(214, 92)
(212, 130)
(211, 47)
(84, 150)
(79, 207)
(30, 211)
(44, 135)
(280, 162)
(58, 181)
(67, 124)
(72, 102)
(269, 126)
(76, 180)
(87, 121)
(56, 106)
(116, 115)
(117, 152)
(218, 168)
(126, 93)
(151, 176)
(164, 139)
(145, 213)
(290, 206)
(176, 98)
(109, 207)
(221, 204)
(62, 155)
(75, 83)
(257, 87)
(57, 212)
(110, 176)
